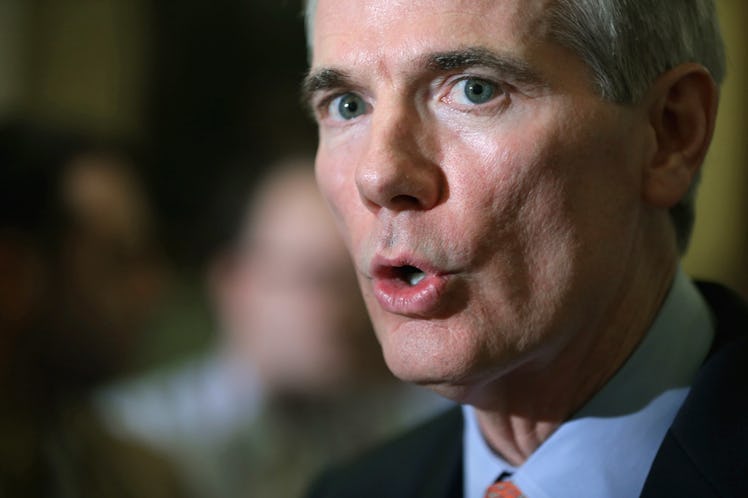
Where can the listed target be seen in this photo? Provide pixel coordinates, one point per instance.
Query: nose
(396, 172)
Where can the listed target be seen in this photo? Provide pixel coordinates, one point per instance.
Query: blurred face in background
(289, 301)
(108, 277)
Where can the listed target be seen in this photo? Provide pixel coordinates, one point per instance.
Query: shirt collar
(607, 448)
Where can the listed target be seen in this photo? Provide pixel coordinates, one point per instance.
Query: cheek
(335, 178)
(515, 196)
(497, 160)
(503, 181)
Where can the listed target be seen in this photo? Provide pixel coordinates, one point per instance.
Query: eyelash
(322, 106)
(500, 99)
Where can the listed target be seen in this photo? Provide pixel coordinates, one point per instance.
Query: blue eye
(479, 91)
(349, 106)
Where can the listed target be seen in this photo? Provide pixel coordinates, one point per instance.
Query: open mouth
(408, 274)
(406, 289)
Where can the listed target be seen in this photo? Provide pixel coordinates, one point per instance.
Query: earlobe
(683, 107)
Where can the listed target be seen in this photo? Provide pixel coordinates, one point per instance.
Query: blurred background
(208, 95)
(200, 103)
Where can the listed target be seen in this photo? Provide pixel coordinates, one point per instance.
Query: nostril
(405, 201)
(395, 180)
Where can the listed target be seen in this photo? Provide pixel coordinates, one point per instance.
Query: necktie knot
(503, 489)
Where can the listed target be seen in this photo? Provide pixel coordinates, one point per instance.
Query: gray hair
(310, 7)
(627, 44)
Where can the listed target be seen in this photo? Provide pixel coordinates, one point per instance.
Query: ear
(683, 107)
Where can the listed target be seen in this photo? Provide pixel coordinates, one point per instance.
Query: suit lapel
(703, 453)
(441, 468)
(445, 469)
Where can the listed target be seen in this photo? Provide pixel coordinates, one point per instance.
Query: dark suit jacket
(704, 454)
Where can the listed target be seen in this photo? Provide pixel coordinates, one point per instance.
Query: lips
(408, 287)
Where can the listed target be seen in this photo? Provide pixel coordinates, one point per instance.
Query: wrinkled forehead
(366, 29)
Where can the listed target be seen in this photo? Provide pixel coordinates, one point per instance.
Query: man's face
(490, 199)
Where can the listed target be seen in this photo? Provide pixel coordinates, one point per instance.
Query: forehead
(372, 31)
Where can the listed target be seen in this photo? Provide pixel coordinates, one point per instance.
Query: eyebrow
(508, 67)
(320, 80)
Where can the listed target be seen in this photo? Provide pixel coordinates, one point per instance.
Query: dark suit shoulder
(704, 452)
(425, 461)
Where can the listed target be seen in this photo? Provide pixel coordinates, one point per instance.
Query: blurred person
(286, 295)
(79, 277)
(296, 379)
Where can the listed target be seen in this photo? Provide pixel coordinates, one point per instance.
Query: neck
(522, 409)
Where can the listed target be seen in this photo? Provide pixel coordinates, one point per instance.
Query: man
(513, 179)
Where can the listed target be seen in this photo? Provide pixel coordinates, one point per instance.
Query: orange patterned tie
(503, 489)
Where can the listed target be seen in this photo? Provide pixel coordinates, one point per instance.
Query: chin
(445, 382)
(443, 372)
(456, 365)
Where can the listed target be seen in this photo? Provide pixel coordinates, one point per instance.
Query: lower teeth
(416, 277)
